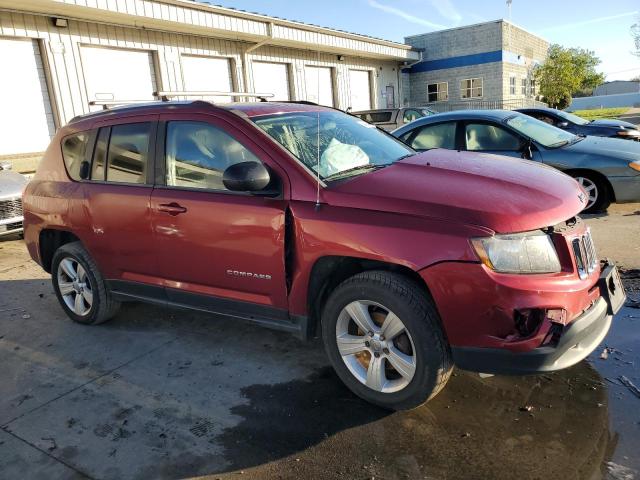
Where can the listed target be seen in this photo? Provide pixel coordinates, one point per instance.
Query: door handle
(172, 208)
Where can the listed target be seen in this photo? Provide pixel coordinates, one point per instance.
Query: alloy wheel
(75, 286)
(375, 346)
(591, 189)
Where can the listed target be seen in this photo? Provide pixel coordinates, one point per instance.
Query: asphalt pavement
(160, 393)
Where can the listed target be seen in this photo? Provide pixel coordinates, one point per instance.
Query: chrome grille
(585, 254)
(10, 208)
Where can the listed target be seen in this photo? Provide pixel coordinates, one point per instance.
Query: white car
(391, 118)
(11, 186)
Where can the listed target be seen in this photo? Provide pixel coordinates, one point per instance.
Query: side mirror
(246, 177)
(85, 170)
(526, 150)
(562, 124)
(5, 166)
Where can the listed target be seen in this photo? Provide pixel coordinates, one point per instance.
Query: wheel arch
(330, 271)
(49, 241)
(574, 172)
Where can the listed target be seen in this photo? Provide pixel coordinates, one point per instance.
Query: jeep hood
(503, 194)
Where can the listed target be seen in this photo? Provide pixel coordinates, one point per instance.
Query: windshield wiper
(364, 168)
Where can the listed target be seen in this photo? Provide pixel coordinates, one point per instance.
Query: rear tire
(403, 371)
(79, 286)
(597, 189)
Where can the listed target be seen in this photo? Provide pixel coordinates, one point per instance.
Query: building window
(471, 88)
(438, 92)
(523, 86)
(532, 87)
(512, 85)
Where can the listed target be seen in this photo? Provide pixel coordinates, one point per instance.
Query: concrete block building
(617, 87)
(59, 55)
(487, 65)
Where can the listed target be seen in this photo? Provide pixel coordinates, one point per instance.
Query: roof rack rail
(105, 104)
(165, 96)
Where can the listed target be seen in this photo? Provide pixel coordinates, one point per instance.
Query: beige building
(59, 55)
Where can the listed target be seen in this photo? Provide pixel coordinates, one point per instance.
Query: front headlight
(528, 252)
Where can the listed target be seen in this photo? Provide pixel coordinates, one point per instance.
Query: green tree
(565, 72)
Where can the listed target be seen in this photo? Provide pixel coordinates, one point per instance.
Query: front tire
(597, 190)
(383, 337)
(79, 286)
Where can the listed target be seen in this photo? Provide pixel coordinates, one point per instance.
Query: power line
(623, 71)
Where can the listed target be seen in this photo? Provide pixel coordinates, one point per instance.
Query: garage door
(271, 78)
(207, 74)
(118, 74)
(26, 118)
(360, 85)
(319, 85)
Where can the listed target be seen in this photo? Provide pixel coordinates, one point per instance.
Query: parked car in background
(608, 169)
(11, 186)
(604, 127)
(383, 251)
(392, 118)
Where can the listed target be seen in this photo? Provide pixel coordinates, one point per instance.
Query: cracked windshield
(348, 145)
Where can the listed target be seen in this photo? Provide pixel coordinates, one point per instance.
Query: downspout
(421, 51)
(245, 56)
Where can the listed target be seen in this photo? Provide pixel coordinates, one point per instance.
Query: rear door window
(441, 135)
(128, 154)
(74, 152)
(100, 155)
(486, 137)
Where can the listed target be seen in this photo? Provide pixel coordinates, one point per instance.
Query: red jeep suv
(309, 220)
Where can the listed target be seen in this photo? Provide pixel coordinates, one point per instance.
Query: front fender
(409, 241)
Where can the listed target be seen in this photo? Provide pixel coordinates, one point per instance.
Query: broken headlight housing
(528, 252)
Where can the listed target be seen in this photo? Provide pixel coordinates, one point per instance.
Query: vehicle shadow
(594, 215)
(554, 425)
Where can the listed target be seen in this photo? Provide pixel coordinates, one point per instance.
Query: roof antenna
(317, 207)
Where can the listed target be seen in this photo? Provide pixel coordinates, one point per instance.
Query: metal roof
(371, 37)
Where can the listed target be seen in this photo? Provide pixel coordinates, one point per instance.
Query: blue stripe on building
(461, 61)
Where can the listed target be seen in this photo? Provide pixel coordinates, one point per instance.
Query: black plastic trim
(270, 317)
(582, 336)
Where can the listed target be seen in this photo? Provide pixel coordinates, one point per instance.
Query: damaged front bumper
(575, 343)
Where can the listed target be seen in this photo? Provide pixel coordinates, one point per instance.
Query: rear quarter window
(74, 152)
(380, 117)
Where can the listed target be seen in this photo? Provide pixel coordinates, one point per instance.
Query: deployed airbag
(339, 156)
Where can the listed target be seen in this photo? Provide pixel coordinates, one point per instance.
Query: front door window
(198, 153)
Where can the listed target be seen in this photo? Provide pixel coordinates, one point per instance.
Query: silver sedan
(11, 186)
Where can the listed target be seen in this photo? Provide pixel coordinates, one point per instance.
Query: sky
(592, 24)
